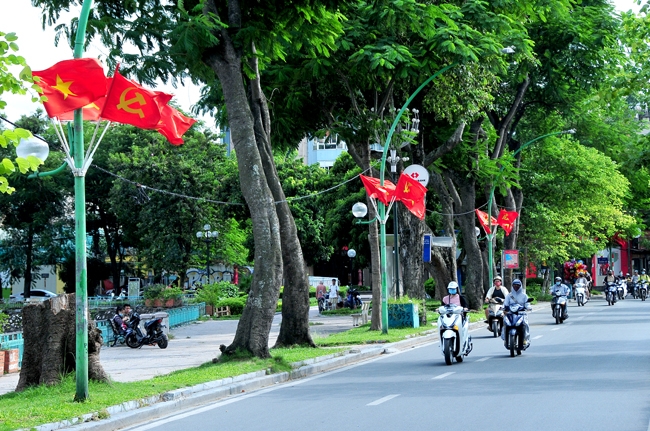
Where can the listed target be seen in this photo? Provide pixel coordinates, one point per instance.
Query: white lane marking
(383, 400)
(537, 337)
(483, 359)
(556, 329)
(442, 376)
(580, 318)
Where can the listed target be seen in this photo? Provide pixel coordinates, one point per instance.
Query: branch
(505, 123)
(353, 99)
(389, 92)
(455, 139)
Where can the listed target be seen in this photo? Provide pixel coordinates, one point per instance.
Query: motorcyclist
(453, 297)
(517, 296)
(496, 291)
(631, 288)
(644, 276)
(609, 278)
(582, 279)
(561, 289)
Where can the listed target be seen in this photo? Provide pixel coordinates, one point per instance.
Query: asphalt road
(590, 373)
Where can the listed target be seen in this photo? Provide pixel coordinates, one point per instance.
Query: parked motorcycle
(611, 292)
(495, 316)
(153, 333)
(580, 292)
(357, 303)
(517, 337)
(558, 306)
(455, 341)
(643, 290)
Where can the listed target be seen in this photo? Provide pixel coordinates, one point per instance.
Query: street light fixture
(208, 236)
(33, 147)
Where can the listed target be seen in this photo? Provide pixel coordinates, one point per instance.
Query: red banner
(383, 193)
(506, 220)
(411, 193)
(483, 219)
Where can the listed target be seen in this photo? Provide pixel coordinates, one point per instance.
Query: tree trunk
(294, 329)
(27, 286)
(255, 324)
(412, 232)
(50, 343)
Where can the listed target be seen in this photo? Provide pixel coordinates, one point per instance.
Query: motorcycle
(643, 290)
(621, 289)
(495, 316)
(516, 337)
(611, 293)
(356, 301)
(153, 333)
(580, 292)
(455, 341)
(558, 306)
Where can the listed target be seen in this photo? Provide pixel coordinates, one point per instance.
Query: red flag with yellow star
(129, 103)
(412, 194)
(173, 124)
(71, 84)
(377, 191)
(90, 112)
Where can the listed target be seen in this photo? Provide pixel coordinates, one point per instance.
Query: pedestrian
(334, 294)
(321, 290)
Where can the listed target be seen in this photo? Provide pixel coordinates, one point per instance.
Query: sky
(37, 47)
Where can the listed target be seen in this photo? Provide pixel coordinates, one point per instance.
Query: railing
(13, 340)
(98, 301)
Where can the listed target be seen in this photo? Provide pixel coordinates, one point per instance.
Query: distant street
(590, 373)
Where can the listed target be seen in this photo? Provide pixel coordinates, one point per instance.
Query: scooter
(153, 333)
(558, 306)
(455, 341)
(517, 336)
(621, 289)
(643, 290)
(495, 316)
(611, 291)
(580, 290)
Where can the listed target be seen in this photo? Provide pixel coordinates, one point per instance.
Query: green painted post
(81, 289)
(382, 208)
(490, 237)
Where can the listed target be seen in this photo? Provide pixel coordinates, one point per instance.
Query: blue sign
(602, 260)
(426, 251)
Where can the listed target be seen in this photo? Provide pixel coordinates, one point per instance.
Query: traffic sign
(418, 173)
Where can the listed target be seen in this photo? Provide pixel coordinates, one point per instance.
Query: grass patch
(43, 404)
(341, 311)
(363, 335)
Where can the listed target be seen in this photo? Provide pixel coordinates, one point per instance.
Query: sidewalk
(189, 346)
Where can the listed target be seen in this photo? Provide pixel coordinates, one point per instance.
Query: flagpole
(490, 236)
(382, 207)
(81, 286)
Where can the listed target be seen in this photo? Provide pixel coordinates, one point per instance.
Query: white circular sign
(418, 173)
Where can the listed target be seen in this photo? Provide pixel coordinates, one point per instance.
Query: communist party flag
(383, 193)
(173, 124)
(483, 219)
(129, 103)
(411, 193)
(506, 220)
(71, 84)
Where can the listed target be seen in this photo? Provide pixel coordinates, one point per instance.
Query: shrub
(4, 319)
(430, 287)
(535, 290)
(236, 304)
(153, 292)
(208, 294)
(172, 293)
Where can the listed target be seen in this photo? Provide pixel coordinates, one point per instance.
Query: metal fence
(13, 340)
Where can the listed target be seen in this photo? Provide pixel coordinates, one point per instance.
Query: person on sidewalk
(496, 291)
(119, 319)
(321, 296)
(334, 294)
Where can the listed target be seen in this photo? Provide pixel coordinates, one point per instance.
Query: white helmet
(452, 288)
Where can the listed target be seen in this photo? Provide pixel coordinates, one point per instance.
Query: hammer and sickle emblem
(407, 188)
(125, 104)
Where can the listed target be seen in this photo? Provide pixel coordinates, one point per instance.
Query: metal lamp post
(352, 253)
(490, 236)
(208, 236)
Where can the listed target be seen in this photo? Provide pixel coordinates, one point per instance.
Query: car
(36, 294)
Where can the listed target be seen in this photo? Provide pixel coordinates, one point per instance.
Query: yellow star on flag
(64, 87)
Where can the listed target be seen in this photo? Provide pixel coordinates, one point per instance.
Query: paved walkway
(189, 346)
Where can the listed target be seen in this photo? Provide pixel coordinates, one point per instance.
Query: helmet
(636, 271)
(516, 284)
(610, 271)
(643, 272)
(498, 278)
(452, 288)
(627, 273)
(558, 278)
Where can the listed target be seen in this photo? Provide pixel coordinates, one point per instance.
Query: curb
(147, 409)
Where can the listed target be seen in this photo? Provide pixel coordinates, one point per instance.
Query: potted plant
(172, 296)
(153, 295)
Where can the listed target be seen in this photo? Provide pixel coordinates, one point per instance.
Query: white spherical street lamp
(33, 147)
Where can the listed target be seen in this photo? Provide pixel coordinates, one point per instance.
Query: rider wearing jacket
(496, 291)
(644, 276)
(583, 280)
(517, 296)
(563, 290)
